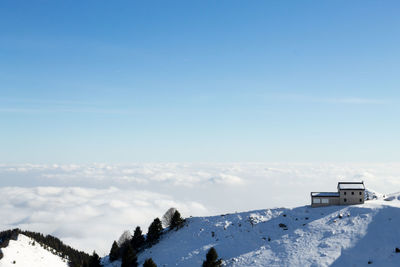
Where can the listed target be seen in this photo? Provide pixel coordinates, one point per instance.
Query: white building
(349, 193)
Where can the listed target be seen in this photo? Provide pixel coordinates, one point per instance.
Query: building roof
(324, 194)
(351, 185)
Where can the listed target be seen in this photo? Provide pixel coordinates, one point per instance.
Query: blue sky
(125, 81)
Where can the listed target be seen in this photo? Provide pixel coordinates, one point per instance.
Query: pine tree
(176, 220)
(94, 260)
(129, 258)
(137, 240)
(114, 252)
(212, 259)
(149, 263)
(154, 232)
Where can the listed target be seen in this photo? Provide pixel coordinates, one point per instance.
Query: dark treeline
(128, 247)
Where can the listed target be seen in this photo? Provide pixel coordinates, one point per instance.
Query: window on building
(360, 200)
(345, 200)
(325, 201)
(352, 193)
(316, 200)
(344, 193)
(360, 193)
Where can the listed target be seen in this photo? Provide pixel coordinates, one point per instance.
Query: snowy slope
(303, 236)
(329, 236)
(24, 252)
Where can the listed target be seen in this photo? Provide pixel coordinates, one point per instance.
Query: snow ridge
(25, 252)
(302, 236)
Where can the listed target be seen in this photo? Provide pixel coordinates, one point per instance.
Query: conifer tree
(154, 232)
(94, 260)
(176, 220)
(137, 240)
(129, 258)
(212, 259)
(114, 252)
(149, 263)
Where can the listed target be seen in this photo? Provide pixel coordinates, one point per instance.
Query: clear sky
(125, 81)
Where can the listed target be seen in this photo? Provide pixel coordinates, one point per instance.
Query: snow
(325, 194)
(302, 236)
(394, 196)
(370, 194)
(356, 186)
(24, 252)
(88, 206)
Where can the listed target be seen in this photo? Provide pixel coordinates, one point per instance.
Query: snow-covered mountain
(356, 235)
(26, 252)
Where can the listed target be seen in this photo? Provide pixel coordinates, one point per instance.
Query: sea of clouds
(88, 206)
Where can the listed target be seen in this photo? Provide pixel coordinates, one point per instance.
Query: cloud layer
(85, 218)
(88, 206)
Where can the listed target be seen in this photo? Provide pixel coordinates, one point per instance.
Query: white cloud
(15, 105)
(353, 100)
(88, 218)
(336, 100)
(227, 179)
